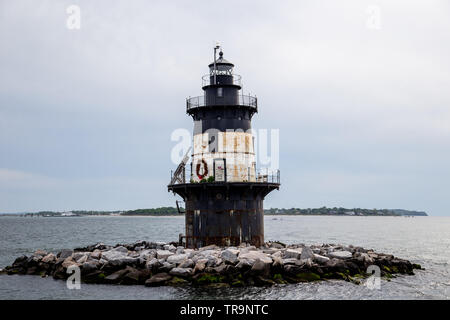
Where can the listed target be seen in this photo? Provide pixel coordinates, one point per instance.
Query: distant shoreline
(181, 215)
(174, 212)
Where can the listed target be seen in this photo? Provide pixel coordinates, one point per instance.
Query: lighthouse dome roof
(221, 60)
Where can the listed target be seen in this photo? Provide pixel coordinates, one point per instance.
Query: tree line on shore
(173, 211)
(344, 212)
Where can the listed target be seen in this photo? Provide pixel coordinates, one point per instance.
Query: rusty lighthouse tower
(223, 191)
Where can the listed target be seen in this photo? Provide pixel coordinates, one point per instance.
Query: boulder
(373, 255)
(100, 246)
(169, 247)
(82, 259)
(60, 273)
(96, 254)
(213, 261)
(133, 276)
(293, 253)
(65, 253)
(49, 258)
(177, 258)
(40, 253)
(117, 276)
(113, 255)
(262, 281)
(163, 254)
(248, 249)
(230, 269)
(211, 247)
(278, 254)
(88, 267)
(68, 262)
(292, 270)
(270, 251)
(277, 245)
(166, 266)
(153, 265)
(21, 261)
(245, 264)
(118, 258)
(158, 245)
(208, 253)
(221, 269)
(158, 279)
(336, 265)
(306, 262)
(43, 266)
(277, 265)
(230, 256)
(255, 255)
(307, 253)
(188, 263)
(121, 249)
(260, 268)
(321, 259)
(340, 254)
(366, 258)
(95, 276)
(200, 265)
(134, 254)
(290, 261)
(78, 255)
(33, 261)
(181, 272)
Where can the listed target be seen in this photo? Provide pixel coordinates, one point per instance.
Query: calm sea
(423, 240)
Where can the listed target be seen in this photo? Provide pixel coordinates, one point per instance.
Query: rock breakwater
(158, 264)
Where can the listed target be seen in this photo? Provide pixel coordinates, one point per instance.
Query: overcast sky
(363, 107)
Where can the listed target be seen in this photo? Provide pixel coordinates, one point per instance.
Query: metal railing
(234, 79)
(242, 100)
(266, 175)
(262, 175)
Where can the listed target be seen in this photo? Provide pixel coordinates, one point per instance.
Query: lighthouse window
(219, 92)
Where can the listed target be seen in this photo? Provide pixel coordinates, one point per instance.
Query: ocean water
(423, 240)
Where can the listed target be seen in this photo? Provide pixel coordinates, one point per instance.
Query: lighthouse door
(220, 170)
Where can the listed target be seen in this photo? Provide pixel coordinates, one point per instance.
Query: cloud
(365, 108)
(24, 191)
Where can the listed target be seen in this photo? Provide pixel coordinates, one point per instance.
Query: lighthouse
(222, 186)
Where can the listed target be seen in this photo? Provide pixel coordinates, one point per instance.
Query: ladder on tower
(179, 208)
(180, 173)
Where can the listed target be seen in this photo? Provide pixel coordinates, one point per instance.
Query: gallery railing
(262, 175)
(201, 101)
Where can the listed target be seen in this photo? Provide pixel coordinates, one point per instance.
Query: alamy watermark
(265, 144)
(374, 281)
(373, 21)
(73, 21)
(74, 280)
